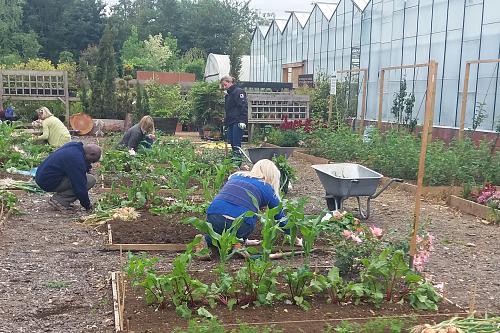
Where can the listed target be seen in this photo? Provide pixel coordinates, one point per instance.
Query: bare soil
(152, 229)
(54, 275)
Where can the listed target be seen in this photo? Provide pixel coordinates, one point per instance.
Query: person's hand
(298, 242)
(132, 152)
(152, 136)
(242, 126)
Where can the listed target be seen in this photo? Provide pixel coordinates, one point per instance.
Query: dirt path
(54, 277)
(466, 252)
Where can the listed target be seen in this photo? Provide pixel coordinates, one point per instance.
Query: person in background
(236, 115)
(66, 172)
(234, 199)
(141, 133)
(54, 131)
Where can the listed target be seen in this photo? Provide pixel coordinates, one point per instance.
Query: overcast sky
(279, 7)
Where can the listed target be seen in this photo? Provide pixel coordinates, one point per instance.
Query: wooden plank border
(117, 283)
(117, 301)
(470, 207)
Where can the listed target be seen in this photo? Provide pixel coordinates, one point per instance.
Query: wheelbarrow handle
(398, 180)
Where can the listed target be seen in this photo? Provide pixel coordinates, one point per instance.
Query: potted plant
(206, 104)
(167, 105)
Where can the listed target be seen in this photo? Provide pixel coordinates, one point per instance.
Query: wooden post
(330, 108)
(1, 90)
(431, 94)
(363, 102)
(380, 99)
(464, 101)
(429, 111)
(66, 96)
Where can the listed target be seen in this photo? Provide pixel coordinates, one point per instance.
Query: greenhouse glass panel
(397, 25)
(472, 28)
(424, 19)
(491, 11)
(422, 49)
(439, 16)
(410, 22)
(455, 15)
(490, 41)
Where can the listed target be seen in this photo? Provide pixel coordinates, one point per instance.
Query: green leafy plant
(8, 202)
(287, 173)
(177, 287)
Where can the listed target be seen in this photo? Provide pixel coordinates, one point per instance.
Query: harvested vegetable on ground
(101, 217)
(462, 325)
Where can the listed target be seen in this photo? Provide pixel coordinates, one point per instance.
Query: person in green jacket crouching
(54, 131)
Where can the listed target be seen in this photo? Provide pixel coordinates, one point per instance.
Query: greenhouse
(371, 35)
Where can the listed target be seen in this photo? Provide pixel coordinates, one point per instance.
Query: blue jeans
(234, 136)
(219, 223)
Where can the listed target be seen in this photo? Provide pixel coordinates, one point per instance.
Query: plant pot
(166, 125)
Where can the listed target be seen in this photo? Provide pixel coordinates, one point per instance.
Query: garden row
(468, 171)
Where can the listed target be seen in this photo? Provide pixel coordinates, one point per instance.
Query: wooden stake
(380, 99)
(429, 106)
(464, 101)
(116, 302)
(431, 93)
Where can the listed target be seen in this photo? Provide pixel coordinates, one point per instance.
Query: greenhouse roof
(281, 23)
(327, 9)
(361, 4)
(302, 17)
(264, 29)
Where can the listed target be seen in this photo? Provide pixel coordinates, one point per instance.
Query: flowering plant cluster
(424, 248)
(488, 195)
(286, 124)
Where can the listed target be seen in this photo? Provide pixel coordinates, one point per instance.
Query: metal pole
(380, 98)
(363, 102)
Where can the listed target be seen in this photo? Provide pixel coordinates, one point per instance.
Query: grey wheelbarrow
(344, 180)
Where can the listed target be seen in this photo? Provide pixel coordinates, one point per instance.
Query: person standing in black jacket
(236, 109)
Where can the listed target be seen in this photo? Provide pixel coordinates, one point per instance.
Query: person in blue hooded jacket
(234, 200)
(66, 173)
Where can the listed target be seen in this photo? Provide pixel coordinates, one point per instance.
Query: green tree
(15, 44)
(103, 99)
(64, 25)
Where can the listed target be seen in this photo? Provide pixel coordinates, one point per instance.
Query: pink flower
(337, 215)
(376, 232)
(347, 233)
(356, 238)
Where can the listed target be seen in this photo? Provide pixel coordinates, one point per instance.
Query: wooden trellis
(430, 99)
(28, 85)
(466, 91)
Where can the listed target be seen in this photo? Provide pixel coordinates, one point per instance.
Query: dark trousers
(234, 137)
(219, 223)
(64, 192)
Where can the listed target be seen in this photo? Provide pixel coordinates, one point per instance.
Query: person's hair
(92, 152)
(147, 124)
(227, 78)
(43, 113)
(267, 171)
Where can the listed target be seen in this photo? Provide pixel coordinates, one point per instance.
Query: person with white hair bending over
(236, 198)
(54, 131)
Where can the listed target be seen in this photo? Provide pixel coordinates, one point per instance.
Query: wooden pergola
(29, 85)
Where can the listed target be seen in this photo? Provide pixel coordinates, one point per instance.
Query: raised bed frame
(117, 284)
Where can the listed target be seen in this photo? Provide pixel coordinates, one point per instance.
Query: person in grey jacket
(142, 131)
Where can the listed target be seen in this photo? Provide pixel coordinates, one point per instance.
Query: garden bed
(471, 207)
(151, 232)
(132, 314)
